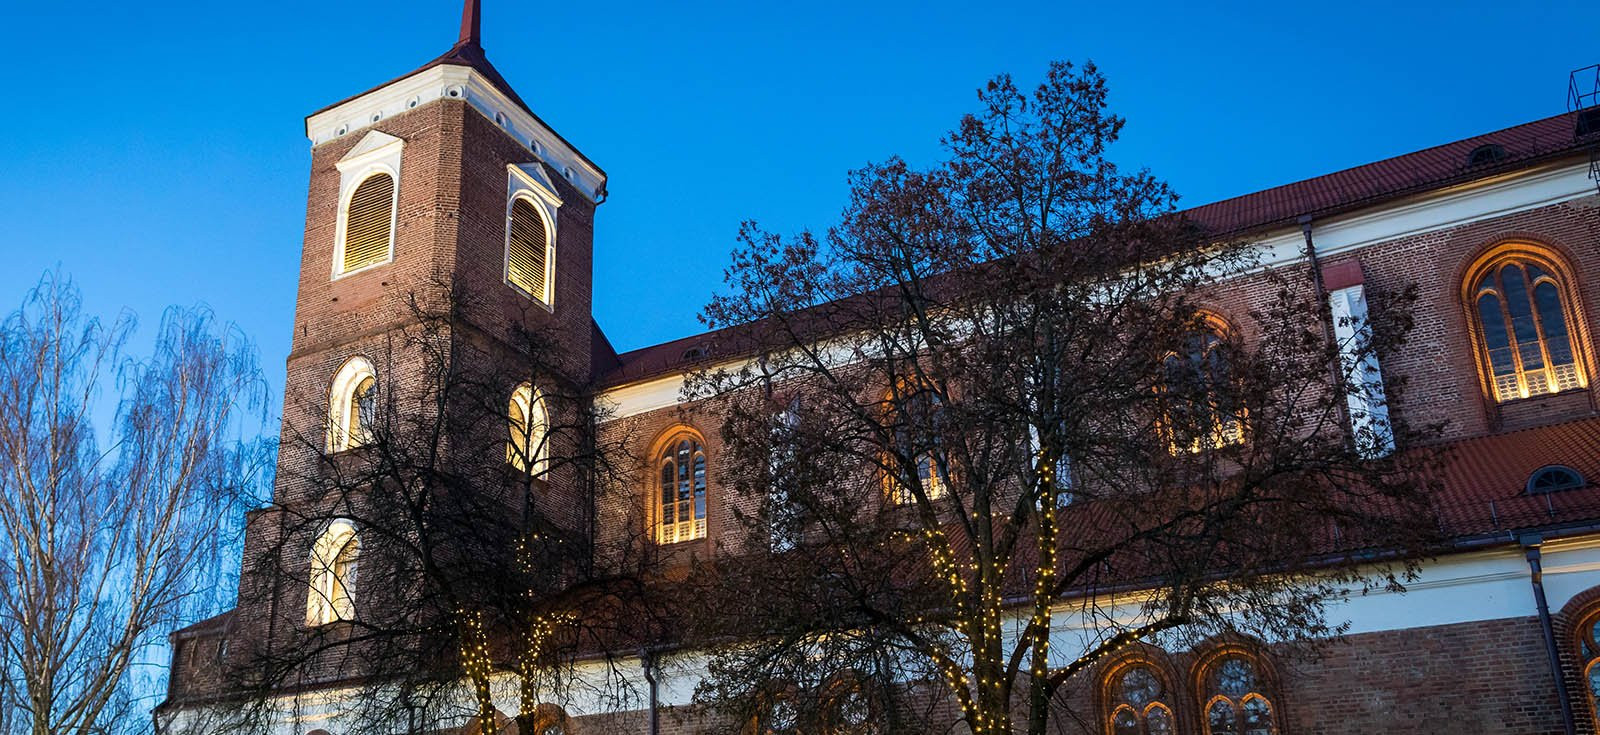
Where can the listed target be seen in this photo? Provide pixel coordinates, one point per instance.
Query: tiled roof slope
(1433, 168)
(1485, 478)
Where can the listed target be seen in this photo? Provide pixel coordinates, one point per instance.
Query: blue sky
(156, 151)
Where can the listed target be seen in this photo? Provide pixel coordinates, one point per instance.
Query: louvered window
(1523, 319)
(369, 220)
(526, 249)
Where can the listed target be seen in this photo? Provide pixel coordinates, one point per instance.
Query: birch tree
(111, 536)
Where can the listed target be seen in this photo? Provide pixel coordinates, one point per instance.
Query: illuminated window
(528, 249)
(352, 405)
(1522, 305)
(1235, 698)
(1589, 657)
(368, 219)
(916, 418)
(1139, 702)
(333, 574)
(681, 511)
(528, 448)
(779, 714)
(1200, 402)
(549, 719)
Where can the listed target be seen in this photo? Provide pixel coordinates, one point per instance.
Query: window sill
(1550, 408)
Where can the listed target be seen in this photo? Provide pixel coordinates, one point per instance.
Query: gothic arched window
(1200, 403)
(333, 573)
(1523, 306)
(528, 448)
(1589, 657)
(681, 502)
(1236, 698)
(1139, 702)
(352, 405)
(368, 219)
(528, 247)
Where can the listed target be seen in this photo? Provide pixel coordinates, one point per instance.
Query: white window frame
(323, 605)
(341, 395)
(536, 420)
(377, 153)
(528, 181)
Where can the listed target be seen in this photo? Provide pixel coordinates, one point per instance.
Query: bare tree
(473, 482)
(1019, 385)
(110, 539)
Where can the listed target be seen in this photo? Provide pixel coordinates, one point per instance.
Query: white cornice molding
(1432, 211)
(453, 81)
(1451, 207)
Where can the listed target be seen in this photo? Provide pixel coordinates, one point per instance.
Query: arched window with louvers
(1524, 310)
(530, 249)
(367, 224)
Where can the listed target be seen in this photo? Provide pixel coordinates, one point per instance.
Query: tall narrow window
(784, 518)
(1200, 402)
(527, 250)
(333, 573)
(1139, 702)
(368, 223)
(1524, 314)
(1236, 700)
(528, 447)
(352, 406)
(681, 512)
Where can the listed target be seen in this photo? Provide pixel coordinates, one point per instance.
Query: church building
(445, 181)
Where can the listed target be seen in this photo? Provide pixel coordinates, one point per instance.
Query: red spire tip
(471, 24)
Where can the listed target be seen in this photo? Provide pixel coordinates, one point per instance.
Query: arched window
(1200, 403)
(368, 223)
(528, 448)
(1139, 702)
(778, 713)
(1236, 698)
(1588, 632)
(1522, 304)
(916, 419)
(528, 249)
(333, 574)
(549, 719)
(849, 711)
(681, 512)
(352, 405)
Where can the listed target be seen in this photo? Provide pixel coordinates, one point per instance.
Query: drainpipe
(1530, 545)
(1335, 372)
(648, 661)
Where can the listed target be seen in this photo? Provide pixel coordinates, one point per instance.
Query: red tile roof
(1523, 146)
(1485, 479)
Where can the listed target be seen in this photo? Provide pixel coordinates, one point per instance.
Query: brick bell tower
(441, 181)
